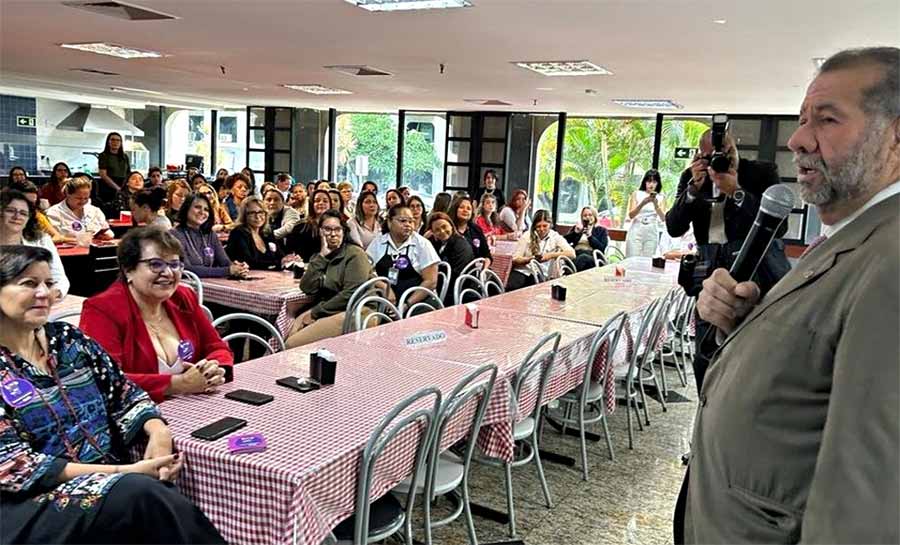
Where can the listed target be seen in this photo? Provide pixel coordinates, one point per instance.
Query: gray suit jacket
(797, 435)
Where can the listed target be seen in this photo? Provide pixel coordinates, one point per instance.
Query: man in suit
(797, 436)
(721, 207)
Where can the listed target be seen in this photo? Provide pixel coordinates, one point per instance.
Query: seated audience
(238, 186)
(393, 198)
(337, 203)
(450, 247)
(221, 219)
(489, 221)
(282, 219)
(30, 191)
(365, 226)
(298, 200)
(403, 256)
(346, 191)
(76, 215)
(304, 240)
(202, 250)
(145, 208)
(250, 177)
(369, 185)
(420, 213)
(250, 243)
(586, 236)
(197, 180)
(331, 277)
(153, 327)
(219, 182)
(54, 191)
(284, 182)
(514, 218)
(541, 244)
(62, 452)
(406, 192)
(441, 202)
(176, 193)
(324, 185)
(155, 177)
(461, 213)
(133, 183)
(19, 227)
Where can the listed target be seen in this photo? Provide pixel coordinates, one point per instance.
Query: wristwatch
(738, 196)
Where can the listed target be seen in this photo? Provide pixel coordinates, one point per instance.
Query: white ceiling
(758, 62)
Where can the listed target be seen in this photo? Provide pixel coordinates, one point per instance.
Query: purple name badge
(476, 243)
(77, 226)
(17, 392)
(402, 262)
(208, 252)
(251, 442)
(185, 350)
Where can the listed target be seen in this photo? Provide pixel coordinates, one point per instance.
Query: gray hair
(882, 99)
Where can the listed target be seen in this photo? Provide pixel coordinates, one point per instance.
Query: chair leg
(511, 509)
(566, 416)
(630, 425)
(584, 462)
(467, 508)
(540, 470)
(612, 457)
(644, 400)
(662, 373)
(662, 396)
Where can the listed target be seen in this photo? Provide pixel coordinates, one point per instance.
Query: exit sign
(685, 153)
(26, 121)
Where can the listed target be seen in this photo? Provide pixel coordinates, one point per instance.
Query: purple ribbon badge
(77, 226)
(17, 392)
(185, 350)
(208, 251)
(476, 243)
(402, 262)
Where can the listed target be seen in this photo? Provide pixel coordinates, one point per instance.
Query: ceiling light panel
(647, 104)
(565, 68)
(405, 5)
(114, 50)
(316, 89)
(134, 90)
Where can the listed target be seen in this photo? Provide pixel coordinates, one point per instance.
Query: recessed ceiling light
(114, 50)
(133, 90)
(544, 88)
(400, 5)
(565, 68)
(316, 89)
(654, 104)
(720, 21)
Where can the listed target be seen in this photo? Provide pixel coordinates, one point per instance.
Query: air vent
(121, 10)
(486, 102)
(357, 70)
(94, 71)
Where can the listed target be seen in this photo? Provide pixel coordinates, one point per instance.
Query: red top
(52, 192)
(481, 222)
(114, 320)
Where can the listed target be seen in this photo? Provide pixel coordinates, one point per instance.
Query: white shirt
(361, 234)
(508, 218)
(417, 249)
(63, 218)
(647, 213)
(887, 192)
(553, 243)
(56, 267)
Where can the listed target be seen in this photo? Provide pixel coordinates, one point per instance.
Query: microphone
(777, 202)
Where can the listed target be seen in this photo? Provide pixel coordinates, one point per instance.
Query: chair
(390, 517)
(599, 258)
(192, 281)
(378, 286)
(527, 431)
(676, 346)
(276, 338)
(613, 254)
(65, 315)
(431, 302)
(537, 273)
(444, 274)
(105, 266)
(207, 312)
(654, 348)
(590, 394)
(467, 285)
(491, 281)
(474, 267)
(445, 471)
(565, 266)
(383, 307)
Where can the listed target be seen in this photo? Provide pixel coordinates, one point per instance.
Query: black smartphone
(247, 396)
(219, 428)
(299, 384)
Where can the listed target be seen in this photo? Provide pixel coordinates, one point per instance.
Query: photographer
(719, 196)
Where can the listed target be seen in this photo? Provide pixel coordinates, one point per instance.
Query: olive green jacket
(331, 280)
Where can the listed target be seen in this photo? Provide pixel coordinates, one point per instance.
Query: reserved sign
(426, 338)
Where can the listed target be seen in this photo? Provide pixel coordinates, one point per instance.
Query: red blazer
(114, 320)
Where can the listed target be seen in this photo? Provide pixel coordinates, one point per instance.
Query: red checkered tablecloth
(501, 258)
(270, 294)
(305, 482)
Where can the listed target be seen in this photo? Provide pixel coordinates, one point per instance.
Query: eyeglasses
(13, 212)
(257, 214)
(332, 230)
(158, 266)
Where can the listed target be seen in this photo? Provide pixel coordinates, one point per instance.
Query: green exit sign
(26, 121)
(685, 153)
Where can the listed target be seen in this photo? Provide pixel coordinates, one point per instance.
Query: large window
(188, 136)
(231, 147)
(366, 150)
(423, 154)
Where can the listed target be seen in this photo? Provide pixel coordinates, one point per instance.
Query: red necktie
(815, 242)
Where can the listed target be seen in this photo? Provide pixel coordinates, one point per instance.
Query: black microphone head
(777, 201)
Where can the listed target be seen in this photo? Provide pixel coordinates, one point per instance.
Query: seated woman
(403, 256)
(151, 326)
(364, 226)
(298, 200)
(304, 239)
(197, 180)
(331, 277)
(19, 226)
(346, 190)
(461, 213)
(27, 188)
(221, 220)
(176, 193)
(588, 235)
(282, 219)
(514, 217)
(441, 202)
(63, 452)
(420, 213)
(203, 252)
(133, 183)
(450, 247)
(542, 244)
(145, 208)
(249, 243)
(54, 190)
(337, 203)
(76, 215)
(489, 221)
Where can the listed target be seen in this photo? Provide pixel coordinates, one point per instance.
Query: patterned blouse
(95, 418)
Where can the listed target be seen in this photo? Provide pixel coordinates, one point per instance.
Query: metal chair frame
(193, 281)
(599, 259)
(381, 311)
(631, 392)
(565, 266)
(460, 290)
(613, 252)
(276, 335)
(431, 302)
(58, 317)
(371, 285)
(536, 272)
(474, 267)
(490, 279)
(444, 274)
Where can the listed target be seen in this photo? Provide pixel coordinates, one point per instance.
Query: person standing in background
(113, 166)
(489, 187)
(645, 210)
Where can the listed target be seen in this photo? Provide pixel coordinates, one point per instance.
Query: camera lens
(720, 162)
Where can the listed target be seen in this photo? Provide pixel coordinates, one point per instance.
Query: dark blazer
(796, 435)
(304, 241)
(475, 237)
(240, 247)
(598, 239)
(457, 252)
(114, 320)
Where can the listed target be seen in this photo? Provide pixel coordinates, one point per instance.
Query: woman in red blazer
(154, 328)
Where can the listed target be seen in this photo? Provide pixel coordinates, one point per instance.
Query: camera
(695, 269)
(718, 159)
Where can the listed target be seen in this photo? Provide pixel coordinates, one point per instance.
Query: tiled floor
(629, 500)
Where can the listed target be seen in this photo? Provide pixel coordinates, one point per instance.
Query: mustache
(810, 161)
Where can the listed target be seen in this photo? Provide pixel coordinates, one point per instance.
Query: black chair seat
(384, 513)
